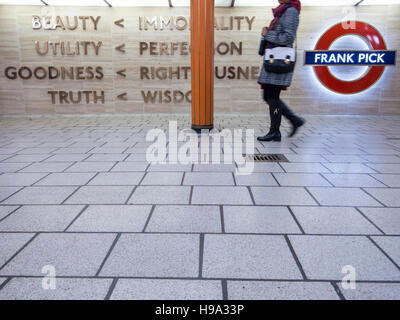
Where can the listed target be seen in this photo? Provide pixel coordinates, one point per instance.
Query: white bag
(281, 53)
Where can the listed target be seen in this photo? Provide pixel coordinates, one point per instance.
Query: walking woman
(280, 33)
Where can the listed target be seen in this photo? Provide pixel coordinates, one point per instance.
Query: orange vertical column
(202, 54)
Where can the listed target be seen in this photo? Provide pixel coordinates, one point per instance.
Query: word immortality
(182, 23)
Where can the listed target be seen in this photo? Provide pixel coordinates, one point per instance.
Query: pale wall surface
(307, 95)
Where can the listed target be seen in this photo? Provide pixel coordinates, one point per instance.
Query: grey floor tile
(353, 180)
(47, 167)
(163, 178)
(106, 157)
(40, 218)
(138, 157)
(393, 168)
(160, 195)
(209, 179)
(344, 158)
(4, 157)
(7, 191)
(13, 166)
(67, 158)
(185, 219)
(221, 195)
(117, 179)
(248, 257)
(169, 167)
(91, 167)
(387, 219)
(317, 151)
(100, 195)
(301, 180)
(72, 150)
(330, 254)
(6, 210)
(349, 168)
(20, 179)
(66, 179)
(110, 218)
(304, 168)
(108, 150)
(66, 289)
(267, 167)
(256, 179)
(28, 158)
(382, 159)
(154, 255)
(146, 289)
(391, 180)
(273, 290)
(305, 158)
(343, 197)
(282, 196)
(333, 220)
(389, 197)
(391, 245)
(11, 243)
(37, 150)
(40, 195)
(373, 291)
(130, 167)
(70, 254)
(214, 167)
(245, 219)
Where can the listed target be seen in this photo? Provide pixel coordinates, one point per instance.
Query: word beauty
(368, 58)
(55, 22)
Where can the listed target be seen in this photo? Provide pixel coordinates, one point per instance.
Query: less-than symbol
(122, 96)
(119, 23)
(122, 72)
(121, 48)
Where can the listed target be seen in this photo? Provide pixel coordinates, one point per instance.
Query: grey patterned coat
(284, 35)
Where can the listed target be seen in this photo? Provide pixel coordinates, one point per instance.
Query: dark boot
(296, 121)
(273, 135)
(275, 113)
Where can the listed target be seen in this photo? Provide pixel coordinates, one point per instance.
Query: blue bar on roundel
(359, 58)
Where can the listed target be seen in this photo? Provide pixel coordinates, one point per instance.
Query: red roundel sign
(372, 36)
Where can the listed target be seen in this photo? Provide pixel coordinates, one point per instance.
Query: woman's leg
(296, 121)
(271, 96)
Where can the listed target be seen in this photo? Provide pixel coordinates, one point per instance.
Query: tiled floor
(76, 193)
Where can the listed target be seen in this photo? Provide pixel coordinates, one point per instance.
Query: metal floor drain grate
(266, 158)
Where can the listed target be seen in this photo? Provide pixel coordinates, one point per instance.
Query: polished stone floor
(79, 201)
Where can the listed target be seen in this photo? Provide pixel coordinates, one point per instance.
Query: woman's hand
(264, 31)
